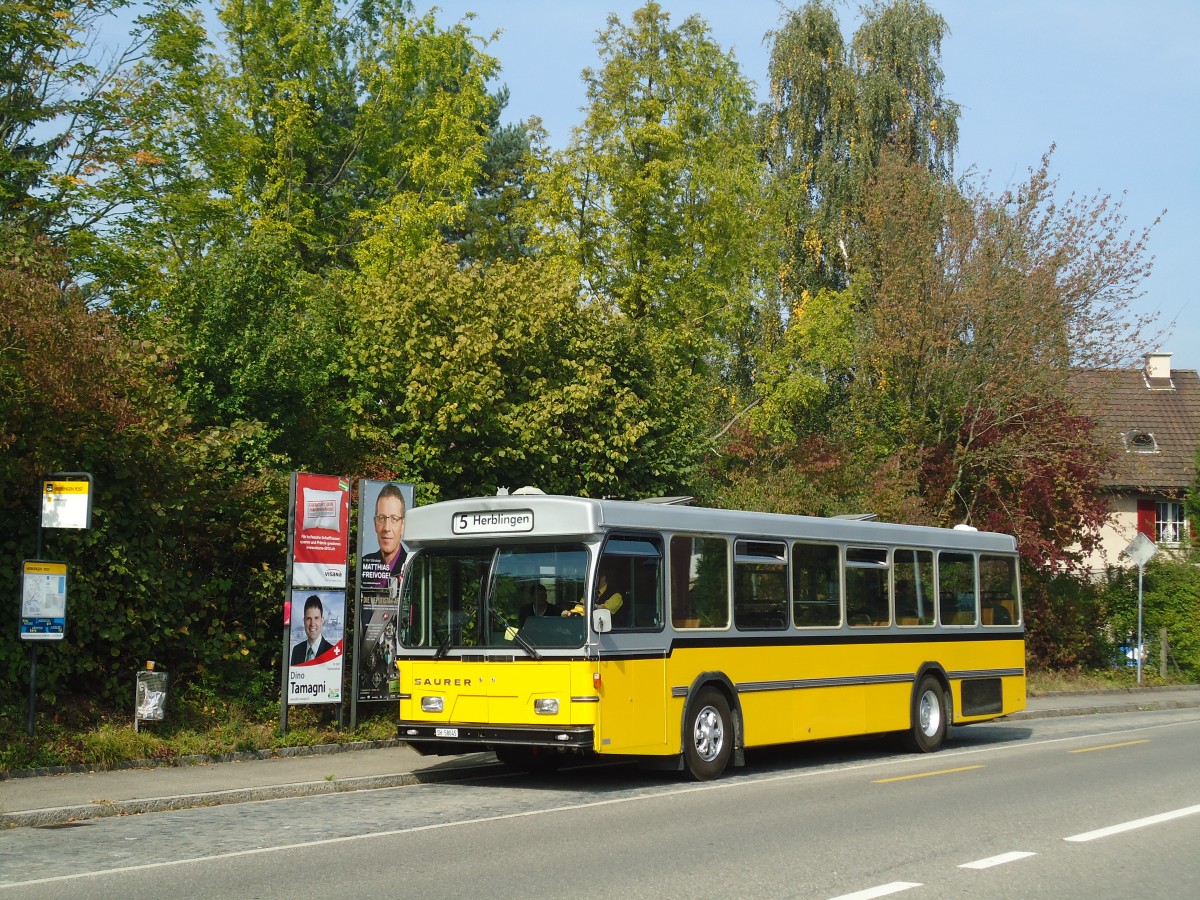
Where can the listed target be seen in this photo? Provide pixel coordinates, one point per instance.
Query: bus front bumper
(441, 740)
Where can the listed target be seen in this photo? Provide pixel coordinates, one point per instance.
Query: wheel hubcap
(930, 714)
(709, 734)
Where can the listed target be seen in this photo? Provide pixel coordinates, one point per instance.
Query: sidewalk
(50, 800)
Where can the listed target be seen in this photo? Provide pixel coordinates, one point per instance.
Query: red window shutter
(1147, 514)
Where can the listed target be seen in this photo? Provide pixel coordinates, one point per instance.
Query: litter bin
(150, 699)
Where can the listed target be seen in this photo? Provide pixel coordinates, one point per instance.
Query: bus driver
(604, 600)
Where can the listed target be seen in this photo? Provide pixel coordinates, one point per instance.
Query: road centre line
(884, 890)
(926, 774)
(1110, 746)
(1136, 823)
(998, 860)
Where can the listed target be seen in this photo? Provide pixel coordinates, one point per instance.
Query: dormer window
(1138, 440)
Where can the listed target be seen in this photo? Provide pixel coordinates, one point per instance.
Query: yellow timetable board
(66, 503)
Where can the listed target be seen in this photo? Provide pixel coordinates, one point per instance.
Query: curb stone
(63, 816)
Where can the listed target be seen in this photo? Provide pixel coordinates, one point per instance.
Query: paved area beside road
(50, 800)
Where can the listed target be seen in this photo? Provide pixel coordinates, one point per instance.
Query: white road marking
(883, 890)
(1136, 823)
(999, 860)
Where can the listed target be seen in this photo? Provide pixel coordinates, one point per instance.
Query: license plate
(445, 732)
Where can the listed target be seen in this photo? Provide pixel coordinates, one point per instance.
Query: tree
(950, 350)
(897, 53)
(496, 223)
(256, 338)
(807, 133)
(833, 110)
(977, 309)
(64, 107)
(185, 557)
(1171, 600)
(476, 377)
(654, 201)
(654, 196)
(327, 139)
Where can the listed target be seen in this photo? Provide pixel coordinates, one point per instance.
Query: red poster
(322, 539)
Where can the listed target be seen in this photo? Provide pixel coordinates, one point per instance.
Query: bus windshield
(497, 597)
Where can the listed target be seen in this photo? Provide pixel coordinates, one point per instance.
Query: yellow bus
(728, 630)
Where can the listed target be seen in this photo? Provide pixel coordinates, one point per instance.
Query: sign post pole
(66, 503)
(1141, 550)
(32, 688)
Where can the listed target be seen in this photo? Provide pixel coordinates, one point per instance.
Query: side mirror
(601, 621)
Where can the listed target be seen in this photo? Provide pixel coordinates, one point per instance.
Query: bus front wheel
(929, 717)
(709, 737)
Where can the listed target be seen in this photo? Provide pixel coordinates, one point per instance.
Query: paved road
(58, 799)
(1102, 805)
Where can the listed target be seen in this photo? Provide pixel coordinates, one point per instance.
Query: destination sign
(512, 521)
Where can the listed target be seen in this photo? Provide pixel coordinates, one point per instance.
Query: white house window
(1170, 523)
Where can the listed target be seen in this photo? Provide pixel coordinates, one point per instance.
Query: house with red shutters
(1150, 419)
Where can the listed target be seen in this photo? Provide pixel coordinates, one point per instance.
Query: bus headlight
(432, 704)
(548, 707)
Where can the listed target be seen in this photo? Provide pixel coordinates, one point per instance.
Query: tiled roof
(1153, 429)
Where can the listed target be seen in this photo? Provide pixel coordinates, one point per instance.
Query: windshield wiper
(516, 634)
(443, 647)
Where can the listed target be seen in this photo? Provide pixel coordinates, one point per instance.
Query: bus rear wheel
(708, 742)
(929, 717)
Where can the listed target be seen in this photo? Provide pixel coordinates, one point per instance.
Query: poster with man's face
(318, 623)
(383, 509)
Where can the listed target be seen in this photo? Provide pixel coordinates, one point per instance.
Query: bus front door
(632, 717)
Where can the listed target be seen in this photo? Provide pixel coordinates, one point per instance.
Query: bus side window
(956, 588)
(816, 585)
(759, 584)
(999, 590)
(867, 600)
(913, 576)
(699, 582)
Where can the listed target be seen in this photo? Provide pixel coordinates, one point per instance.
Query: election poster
(377, 675)
(383, 508)
(318, 631)
(321, 541)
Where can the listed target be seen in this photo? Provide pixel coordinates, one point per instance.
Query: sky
(1114, 85)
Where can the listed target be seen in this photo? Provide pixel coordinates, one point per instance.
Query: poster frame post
(286, 633)
(317, 563)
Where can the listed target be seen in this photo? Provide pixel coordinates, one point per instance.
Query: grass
(1042, 683)
(83, 733)
(200, 723)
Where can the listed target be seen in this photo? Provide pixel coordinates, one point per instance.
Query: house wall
(1118, 531)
